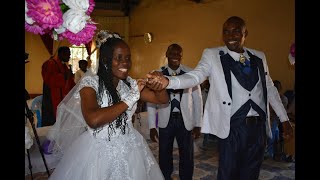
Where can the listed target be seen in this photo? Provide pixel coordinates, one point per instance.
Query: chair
(36, 108)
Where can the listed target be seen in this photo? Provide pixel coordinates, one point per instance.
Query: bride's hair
(105, 75)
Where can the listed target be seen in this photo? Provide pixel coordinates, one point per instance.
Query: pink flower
(34, 28)
(84, 36)
(46, 13)
(91, 7)
(293, 50)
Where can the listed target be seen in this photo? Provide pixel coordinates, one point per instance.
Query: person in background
(83, 65)
(26, 57)
(274, 149)
(290, 94)
(58, 80)
(94, 134)
(288, 146)
(179, 120)
(237, 106)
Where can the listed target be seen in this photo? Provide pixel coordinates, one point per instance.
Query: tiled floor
(206, 163)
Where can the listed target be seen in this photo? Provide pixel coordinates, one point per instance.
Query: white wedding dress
(88, 154)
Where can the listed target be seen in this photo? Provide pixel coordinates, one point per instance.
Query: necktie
(245, 64)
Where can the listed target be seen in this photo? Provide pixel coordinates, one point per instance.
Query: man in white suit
(180, 119)
(237, 106)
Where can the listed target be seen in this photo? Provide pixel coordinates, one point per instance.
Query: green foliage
(64, 7)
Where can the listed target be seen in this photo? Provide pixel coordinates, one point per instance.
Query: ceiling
(119, 7)
(114, 7)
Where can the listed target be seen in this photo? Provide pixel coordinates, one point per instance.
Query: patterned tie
(245, 64)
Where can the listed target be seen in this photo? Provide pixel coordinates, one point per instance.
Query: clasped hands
(154, 80)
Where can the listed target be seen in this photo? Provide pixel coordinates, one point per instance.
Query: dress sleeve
(87, 81)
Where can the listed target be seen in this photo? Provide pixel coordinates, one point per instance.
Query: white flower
(75, 20)
(77, 4)
(60, 30)
(28, 19)
(291, 59)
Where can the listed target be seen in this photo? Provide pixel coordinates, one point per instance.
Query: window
(80, 52)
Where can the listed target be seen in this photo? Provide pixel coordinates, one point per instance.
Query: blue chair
(36, 108)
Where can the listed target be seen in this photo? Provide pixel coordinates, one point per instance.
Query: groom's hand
(157, 81)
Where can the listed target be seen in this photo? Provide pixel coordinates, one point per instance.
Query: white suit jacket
(216, 119)
(191, 105)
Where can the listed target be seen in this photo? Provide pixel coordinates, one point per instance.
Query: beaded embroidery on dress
(95, 156)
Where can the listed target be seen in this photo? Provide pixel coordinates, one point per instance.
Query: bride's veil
(69, 122)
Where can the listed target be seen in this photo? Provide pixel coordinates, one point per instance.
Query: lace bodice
(123, 89)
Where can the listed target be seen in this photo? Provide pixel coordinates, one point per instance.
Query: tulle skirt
(124, 157)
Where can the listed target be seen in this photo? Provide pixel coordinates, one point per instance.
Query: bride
(93, 134)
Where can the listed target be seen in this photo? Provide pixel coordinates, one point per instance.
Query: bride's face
(121, 61)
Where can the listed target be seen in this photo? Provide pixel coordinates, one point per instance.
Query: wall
(271, 26)
(195, 26)
(37, 55)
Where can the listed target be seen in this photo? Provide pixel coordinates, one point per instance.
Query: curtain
(48, 42)
(88, 47)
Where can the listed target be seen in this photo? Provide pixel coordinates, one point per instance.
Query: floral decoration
(292, 54)
(62, 19)
(293, 50)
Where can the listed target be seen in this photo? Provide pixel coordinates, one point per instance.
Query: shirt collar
(177, 70)
(236, 55)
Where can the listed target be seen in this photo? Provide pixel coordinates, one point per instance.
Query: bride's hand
(141, 84)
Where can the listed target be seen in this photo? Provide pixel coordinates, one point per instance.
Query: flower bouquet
(62, 19)
(292, 54)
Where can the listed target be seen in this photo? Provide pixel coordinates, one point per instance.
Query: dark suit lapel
(229, 64)
(226, 65)
(166, 72)
(256, 61)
